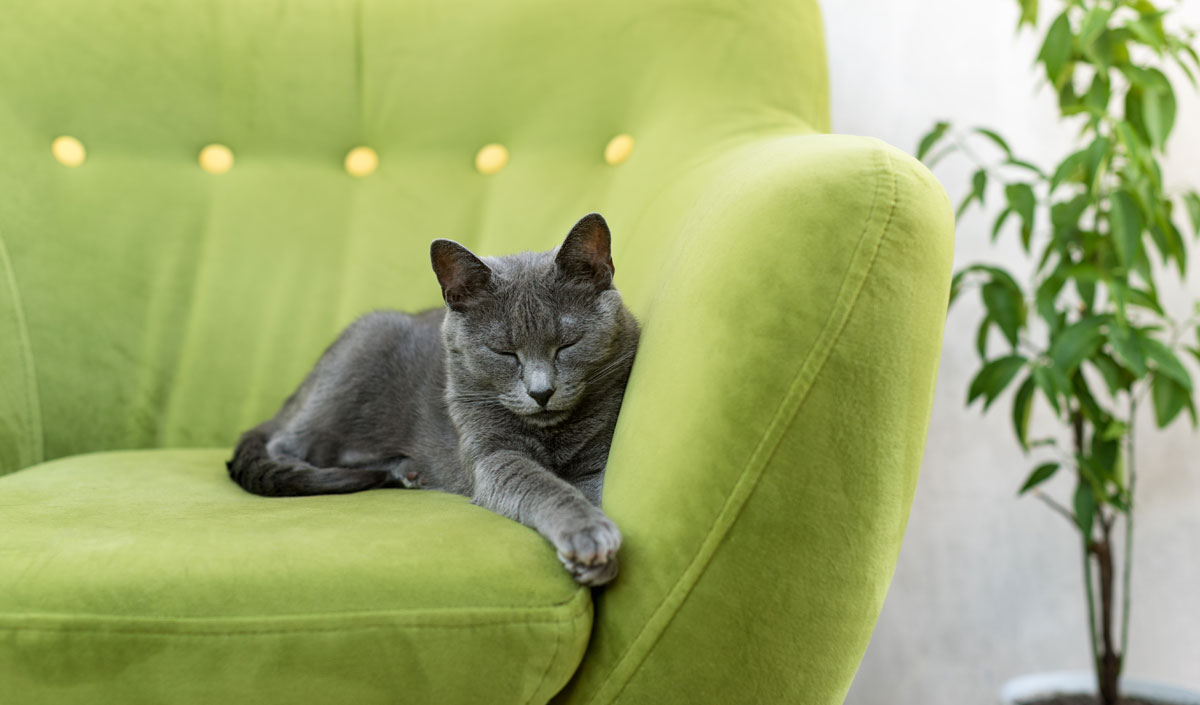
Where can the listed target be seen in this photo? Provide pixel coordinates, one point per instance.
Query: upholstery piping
(578, 604)
(37, 441)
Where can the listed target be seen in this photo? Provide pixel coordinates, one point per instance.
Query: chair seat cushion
(150, 577)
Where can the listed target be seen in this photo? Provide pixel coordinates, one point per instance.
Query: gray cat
(508, 395)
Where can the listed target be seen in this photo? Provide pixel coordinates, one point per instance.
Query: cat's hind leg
(279, 474)
(405, 472)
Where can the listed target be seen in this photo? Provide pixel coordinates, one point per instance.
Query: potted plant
(1085, 333)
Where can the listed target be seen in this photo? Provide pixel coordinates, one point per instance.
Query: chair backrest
(145, 302)
(792, 285)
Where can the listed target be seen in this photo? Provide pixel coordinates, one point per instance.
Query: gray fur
(508, 395)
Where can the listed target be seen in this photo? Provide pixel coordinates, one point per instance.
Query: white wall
(989, 586)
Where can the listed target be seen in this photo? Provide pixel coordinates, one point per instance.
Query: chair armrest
(765, 459)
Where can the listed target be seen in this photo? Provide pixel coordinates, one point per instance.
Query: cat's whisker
(617, 364)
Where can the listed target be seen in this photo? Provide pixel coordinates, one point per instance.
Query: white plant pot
(1044, 685)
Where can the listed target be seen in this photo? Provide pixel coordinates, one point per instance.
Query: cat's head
(533, 331)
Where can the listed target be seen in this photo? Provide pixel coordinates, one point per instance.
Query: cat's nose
(541, 396)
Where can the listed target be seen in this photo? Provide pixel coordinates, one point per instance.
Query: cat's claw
(589, 552)
(592, 575)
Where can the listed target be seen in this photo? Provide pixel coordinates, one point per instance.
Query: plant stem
(1109, 662)
(1127, 569)
(1091, 602)
(1077, 427)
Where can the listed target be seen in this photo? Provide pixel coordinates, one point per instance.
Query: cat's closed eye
(564, 346)
(503, 353)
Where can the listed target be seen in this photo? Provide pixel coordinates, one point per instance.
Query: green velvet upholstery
(792, 286)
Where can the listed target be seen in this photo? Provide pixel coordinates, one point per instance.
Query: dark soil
(1089, 700)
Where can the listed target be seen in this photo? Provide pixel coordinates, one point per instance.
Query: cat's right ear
(463, 276)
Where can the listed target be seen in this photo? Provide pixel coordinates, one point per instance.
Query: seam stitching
(799, 388)
(549, 664)
(307, 630)
(32, 398)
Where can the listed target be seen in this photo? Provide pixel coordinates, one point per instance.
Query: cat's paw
(592, 575)
(589, 551)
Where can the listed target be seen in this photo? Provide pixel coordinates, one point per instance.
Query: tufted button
(491, 159)
(361, 162)
(216, 159)
(68, 151)
(618, 149)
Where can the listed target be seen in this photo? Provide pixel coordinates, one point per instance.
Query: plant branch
(1127, 568)
(1091, 600)
(1056, 506)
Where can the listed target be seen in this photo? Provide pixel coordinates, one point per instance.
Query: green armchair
(186, 221)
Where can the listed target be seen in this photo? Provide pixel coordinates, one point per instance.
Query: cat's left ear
(463, 276)
(586, 254)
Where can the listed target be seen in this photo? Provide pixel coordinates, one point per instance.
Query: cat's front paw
(589, 551)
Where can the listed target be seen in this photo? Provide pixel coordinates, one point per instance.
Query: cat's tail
(256, 471)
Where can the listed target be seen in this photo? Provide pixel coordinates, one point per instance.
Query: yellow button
(216, 159)
(361, 162)
(491, 159)
(618, 150)
(68, 151)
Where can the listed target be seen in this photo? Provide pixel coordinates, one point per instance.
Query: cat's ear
(586, 253)
(463, 276)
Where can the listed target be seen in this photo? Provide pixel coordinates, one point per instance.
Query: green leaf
(1192, 201)
(1029, 13)
(1085, 507)
(932, 138)
(1087, 292)
(1158, 110)
(1134, 144)
(1148, 33)
(997, 139)
(1039, 475)
(1047, 381)
(1098, 95)
(1069, 169)
(1021, 410)
(1150, 104)
(1109, 371)
(1169, 399)
(1047, 296)
(1187, 71)
(1087, 402)
(1066, 214)
(1144, 299)
(978, 189)
(1126, 223)
(1026, 165)
(1116, 430)
(1056, 50)
(1166, 363)
(1096, 157)
(1000, 222)
(1174, 240)
(1022, 201)
(997, 274)
(1076, 343)
(1006, 308)
(1128, 349)
(956, 285)
(1094, 23)
(993, 378)
(981, 337)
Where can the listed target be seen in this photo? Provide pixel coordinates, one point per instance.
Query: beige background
(989, 586)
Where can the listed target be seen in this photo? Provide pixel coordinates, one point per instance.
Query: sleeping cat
(508, 395)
